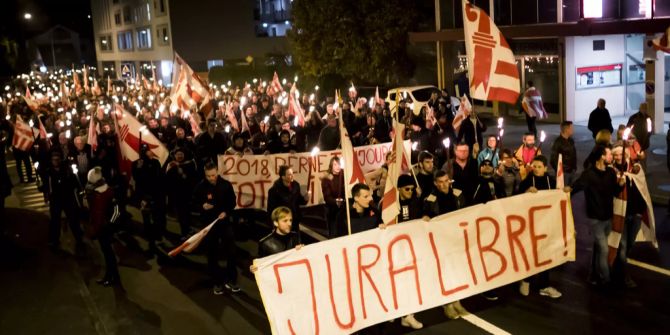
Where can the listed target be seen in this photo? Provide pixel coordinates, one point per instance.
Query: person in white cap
(104, 212)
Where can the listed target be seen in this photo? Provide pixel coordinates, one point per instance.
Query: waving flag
(193, 241)
(560, 176)
(493, 73)
(188, 88)
(275, 86)
(85, 74)
(128, 134)
(24, 135)
(32, 104)
(93, 134)
(378, 100)
(294, 107)
(391, 201)
(77, 85)
(109, 86)
(353, 173)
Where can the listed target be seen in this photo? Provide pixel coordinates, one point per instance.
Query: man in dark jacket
(281, 238)
(487, 189)
(216, 199)
(424, 173)
(462, 169)
(600, 119)
(286, 192)
(410, 204)
(362, 215)
(210, 144)
(62, 188)
(600, 184)
(565, 146)
(150, 193)
(181, 178)
(442, 200)
(639, 121)
(329, 138)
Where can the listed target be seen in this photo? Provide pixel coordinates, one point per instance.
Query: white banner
(349, 283)
(253, 175)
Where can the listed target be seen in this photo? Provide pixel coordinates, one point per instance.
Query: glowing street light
(27, 16)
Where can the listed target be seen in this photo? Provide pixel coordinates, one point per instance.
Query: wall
(579, 53)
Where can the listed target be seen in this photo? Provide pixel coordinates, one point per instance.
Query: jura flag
(129, 137)
(560, 175)
(32, 104)
(391, 201)
(493, 73)
(24, 135)
(353, 173)
(275, 86)
(193, 241)
(187, 87)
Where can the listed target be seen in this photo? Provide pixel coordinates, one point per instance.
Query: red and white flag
(32, 104)
(391, 200)
(378, 99)
(85, 74)
(93, 133)
(43, 133)
(96, 88)
(560, 176)
(493, 73)
(188, 88)
(294, 107)
(75, 80)
(275, 86)
(231, 116)
(353, 93)
(109, 86)
(243, 120)
(128, 134)
(193, 241)
(154, 80)
(24, 135)
(532, 103)
(353, 173)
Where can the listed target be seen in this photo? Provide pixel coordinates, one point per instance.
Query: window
(214, 62)
(125, 40)
(106, 43)
(144, 38)
(117, 18)
(127, 18)
(163, 35)
(160, 7)
(108, 70)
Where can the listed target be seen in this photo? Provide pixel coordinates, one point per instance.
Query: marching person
(462, 169)
(286, 192)
(104, 212)
(600, 119)
(631, 216)
(539, 180)
(639, 123)
(363, 216)
(216, 199)
(565, 145)
(601, 185)
(181, 178)
(525, 154)
(532, 105)
(332, 187)
(62, 188)
(441, 201)
(490, 152)
(507, 173)
(423, 172)
(150, 195)
(281, 238)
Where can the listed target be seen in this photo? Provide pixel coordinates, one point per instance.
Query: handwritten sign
(349, 283)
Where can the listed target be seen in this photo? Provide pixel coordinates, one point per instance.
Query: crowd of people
(476, 169)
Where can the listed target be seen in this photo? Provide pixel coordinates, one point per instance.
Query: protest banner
(253, 175)
(349, 283)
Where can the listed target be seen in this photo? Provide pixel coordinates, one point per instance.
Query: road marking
(483, 324)
(649, 267)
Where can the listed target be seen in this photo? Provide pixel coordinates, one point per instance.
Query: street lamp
(27, 16)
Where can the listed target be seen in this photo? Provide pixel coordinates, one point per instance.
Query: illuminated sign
(593, 8)
(599, 76)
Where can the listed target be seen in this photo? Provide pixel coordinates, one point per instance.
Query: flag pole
(346, 203)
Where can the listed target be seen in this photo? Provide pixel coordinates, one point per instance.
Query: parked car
(416, 96)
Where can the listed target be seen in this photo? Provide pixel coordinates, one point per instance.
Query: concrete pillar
(658, 114)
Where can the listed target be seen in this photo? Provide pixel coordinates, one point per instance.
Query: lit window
(106, 43)
(163, 35)
(593, 8)
(144, 38)
(214, 62)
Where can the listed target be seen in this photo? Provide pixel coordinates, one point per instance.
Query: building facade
(575, 51)
(131, 36)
